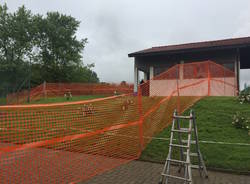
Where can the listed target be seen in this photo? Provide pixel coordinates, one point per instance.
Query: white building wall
(166, 87)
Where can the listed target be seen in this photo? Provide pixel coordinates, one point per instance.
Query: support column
(236, 76)
(237, 70)
(145, 78)
(239, 74)
(136, 76)
(151, 72)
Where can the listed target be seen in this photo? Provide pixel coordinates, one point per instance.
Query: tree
(85, 74)
(16, 39)
(60, 49)
(45, 46)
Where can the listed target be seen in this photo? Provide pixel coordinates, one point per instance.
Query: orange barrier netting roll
(73, 141)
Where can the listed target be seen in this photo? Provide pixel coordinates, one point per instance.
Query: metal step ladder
(184, 147)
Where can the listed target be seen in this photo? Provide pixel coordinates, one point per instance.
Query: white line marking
(205, 142)
(136, 137)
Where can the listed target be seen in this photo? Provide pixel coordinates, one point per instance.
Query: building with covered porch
(232, 54)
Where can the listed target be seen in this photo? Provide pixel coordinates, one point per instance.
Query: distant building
(233, 54)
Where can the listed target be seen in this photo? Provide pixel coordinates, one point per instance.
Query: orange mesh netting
(73, 141)
(47, 90)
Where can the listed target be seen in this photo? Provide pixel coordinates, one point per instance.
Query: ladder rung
(177, 161)
(176, 177)
(191, 154)
(187, 129)
(186, 141)
(182, 130)
(177, 145)
(195, 166)
(183, 117)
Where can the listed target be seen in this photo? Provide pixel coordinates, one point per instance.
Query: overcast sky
(115, 28)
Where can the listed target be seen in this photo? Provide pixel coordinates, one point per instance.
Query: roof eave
(137, 54)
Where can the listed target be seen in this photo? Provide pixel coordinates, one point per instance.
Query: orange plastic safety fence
(73, 141)
(47, 90)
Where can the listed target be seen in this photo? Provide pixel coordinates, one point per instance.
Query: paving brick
(137, 172)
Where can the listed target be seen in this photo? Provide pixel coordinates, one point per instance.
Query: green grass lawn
(214, 121)
(63, 99)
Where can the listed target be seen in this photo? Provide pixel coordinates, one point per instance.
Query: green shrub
(239, 121)
(244, 97)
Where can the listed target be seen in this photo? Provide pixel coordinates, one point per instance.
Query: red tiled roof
(227, 43)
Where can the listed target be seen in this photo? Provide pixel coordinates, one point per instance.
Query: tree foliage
(43, 47)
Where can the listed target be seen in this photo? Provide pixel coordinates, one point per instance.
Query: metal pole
(28, 100)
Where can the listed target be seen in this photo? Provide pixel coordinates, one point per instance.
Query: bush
(244, 97)
(239, 121)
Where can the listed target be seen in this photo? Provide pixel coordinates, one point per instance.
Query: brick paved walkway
(137, 172)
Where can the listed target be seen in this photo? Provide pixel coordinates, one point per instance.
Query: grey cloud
(116, 28)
